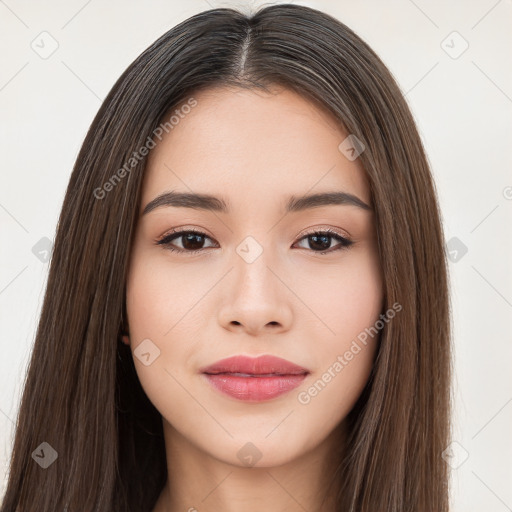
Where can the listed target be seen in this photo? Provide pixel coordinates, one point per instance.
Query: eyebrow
(207, 202)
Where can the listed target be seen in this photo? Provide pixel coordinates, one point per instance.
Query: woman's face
(253, 282)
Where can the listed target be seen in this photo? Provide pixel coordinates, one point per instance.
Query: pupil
(325, 241)
(192, 241)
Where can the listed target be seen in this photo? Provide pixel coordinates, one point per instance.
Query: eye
(320, 241)
(192, 241)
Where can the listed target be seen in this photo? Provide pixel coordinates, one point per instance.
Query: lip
(254, 379)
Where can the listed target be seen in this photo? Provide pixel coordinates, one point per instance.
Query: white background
(463, 107)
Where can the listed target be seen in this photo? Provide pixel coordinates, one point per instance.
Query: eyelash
(345, 243)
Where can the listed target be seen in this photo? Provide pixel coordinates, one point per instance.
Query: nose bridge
(255, 296)
(253, 262)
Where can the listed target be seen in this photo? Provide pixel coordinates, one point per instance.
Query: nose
(257, 299)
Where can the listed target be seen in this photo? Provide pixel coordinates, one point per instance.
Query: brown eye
(191, 241)
(320, 241)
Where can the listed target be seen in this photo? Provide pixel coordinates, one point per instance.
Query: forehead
(245, 144)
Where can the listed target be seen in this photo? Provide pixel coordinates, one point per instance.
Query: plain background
(461, 99)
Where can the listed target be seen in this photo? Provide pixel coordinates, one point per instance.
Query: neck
(198, 482)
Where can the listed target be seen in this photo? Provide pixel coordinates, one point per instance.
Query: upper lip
(262, 365)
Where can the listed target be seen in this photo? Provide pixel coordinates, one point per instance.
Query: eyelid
(182, 230)
(323, 229)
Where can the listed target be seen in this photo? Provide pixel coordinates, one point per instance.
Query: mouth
(254, 379)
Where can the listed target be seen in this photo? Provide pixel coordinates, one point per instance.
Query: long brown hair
(82, 395)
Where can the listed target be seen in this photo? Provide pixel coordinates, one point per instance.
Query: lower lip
(254, 389)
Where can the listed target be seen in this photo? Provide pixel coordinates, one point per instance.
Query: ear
(125, 339)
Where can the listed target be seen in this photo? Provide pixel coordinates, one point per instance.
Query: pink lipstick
(254, 379)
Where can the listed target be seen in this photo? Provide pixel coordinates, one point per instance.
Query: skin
(254, 150)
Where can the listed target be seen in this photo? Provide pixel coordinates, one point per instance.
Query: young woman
(247, 304)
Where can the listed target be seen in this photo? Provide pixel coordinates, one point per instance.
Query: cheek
(165, 303)
(159, 305)
(160, 298)
(334, 390)
(347, 297)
